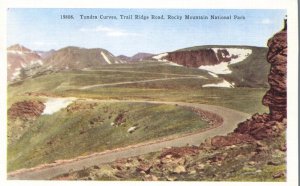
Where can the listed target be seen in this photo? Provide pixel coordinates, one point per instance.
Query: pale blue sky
(42, 29)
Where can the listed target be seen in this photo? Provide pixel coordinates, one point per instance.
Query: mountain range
(242, 66)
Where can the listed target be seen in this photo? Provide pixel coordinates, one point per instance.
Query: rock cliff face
(193, 58)
(275, 98)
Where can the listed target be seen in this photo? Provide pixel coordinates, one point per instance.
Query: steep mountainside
(19, 58)
(79, 58)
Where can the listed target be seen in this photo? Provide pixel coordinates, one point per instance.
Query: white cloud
(266, 21)
(113, 32)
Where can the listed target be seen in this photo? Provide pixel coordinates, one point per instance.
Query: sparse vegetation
(256, 162)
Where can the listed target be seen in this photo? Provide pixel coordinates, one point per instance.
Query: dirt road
(141, 81)
(230, 119)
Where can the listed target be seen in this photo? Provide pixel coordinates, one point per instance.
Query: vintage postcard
(149, 94)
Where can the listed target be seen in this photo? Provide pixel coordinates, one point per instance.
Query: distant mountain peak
(72, 57)
(20, 57)
(137, 57)
(18, 47)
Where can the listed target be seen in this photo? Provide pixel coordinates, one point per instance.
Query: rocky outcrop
(26, 110)
(261, 126)
(193, 163)
(179, 152)
(231, 139)
(273, 124)
(275, 98)
(200, 57)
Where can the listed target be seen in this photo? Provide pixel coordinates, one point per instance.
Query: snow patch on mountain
(16, 73)
(53, 105)
(15, 52)
(105, 58)
(213, 74)
(223, 84)
(159, 56)
(173, 64)
(221, 68)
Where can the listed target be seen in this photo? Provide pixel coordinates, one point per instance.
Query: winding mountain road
(44, 172)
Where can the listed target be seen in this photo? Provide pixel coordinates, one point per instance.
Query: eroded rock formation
(193, 58)
(275, 98)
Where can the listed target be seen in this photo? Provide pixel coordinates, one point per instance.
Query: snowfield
(105, 58)
(55, 104)
(16, 73)
(224, 84)
(213, 74)
(221, 68)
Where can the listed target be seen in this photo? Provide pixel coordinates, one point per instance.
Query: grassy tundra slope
(87, 127)
(183, 89)
(69, 134)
